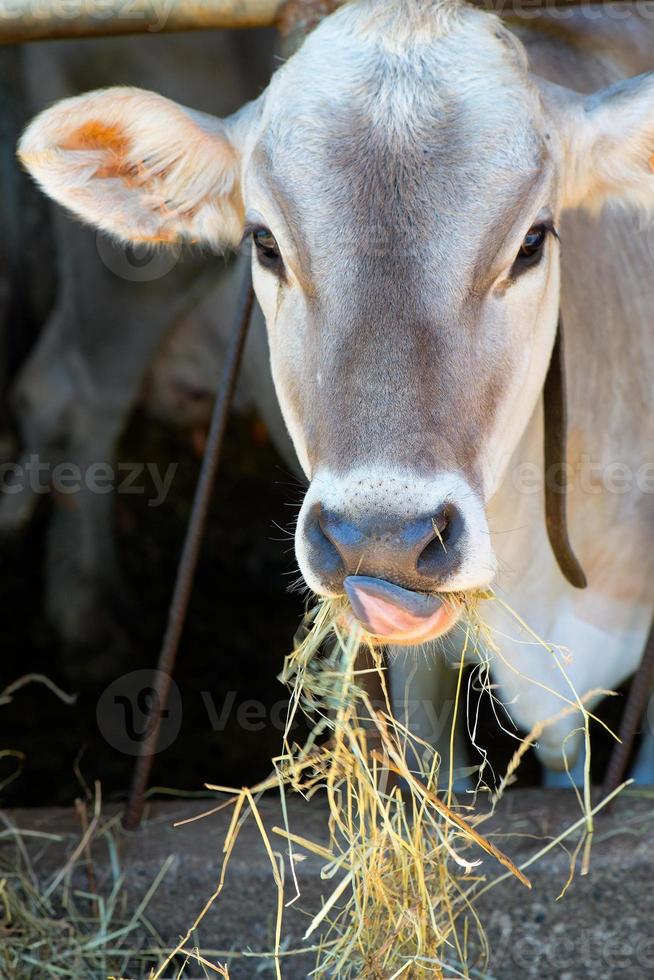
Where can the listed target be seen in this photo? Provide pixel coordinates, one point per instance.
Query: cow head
(401, 180)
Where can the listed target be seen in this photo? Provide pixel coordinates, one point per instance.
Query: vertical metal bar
(634, 709)
(189, 559)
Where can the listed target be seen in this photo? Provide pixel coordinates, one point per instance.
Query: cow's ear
(138, 166)
(609, 141)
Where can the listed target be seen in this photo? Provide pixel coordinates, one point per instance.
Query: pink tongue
(387, 610)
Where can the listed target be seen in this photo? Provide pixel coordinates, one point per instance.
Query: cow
(428, 194)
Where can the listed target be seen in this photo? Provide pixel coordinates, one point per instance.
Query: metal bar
(38, 20)
(632, 716)
(189, 559)
(42, 20)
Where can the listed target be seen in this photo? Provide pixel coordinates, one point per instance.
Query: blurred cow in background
(92, 328)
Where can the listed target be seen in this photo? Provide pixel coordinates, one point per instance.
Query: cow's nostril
(324, 552)
(438, 552)
(441, 522)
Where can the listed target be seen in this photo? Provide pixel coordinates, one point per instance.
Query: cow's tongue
(386, 610)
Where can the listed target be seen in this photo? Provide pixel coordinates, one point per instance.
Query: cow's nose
(418, 553)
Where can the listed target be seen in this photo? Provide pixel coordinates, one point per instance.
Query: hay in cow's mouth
(405, 854)
(391, 615)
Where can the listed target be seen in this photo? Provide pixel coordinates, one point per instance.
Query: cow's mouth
(395, 615)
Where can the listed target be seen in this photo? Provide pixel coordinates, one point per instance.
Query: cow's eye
(532, 246)
(267, 249)
(533, 241)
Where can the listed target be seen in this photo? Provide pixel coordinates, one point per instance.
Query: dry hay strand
(63, 923)
(406, 861)
(401, 847)
(70, 921)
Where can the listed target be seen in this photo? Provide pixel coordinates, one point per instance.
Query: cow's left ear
(138, 166)
(609, 145)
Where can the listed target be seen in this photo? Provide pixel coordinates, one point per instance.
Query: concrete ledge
(602, 929)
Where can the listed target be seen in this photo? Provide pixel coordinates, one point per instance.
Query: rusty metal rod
(632, 716)
(39, 20)
(189, 559)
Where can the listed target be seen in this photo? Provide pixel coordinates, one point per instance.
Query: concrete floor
(602, 929)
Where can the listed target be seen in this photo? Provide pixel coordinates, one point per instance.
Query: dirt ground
(532, 935)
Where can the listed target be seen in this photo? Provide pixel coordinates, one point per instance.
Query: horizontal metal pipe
(37, 20)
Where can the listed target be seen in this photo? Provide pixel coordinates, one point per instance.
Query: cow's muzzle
(418, 553)
(398, 544)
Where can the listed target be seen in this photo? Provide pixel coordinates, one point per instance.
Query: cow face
(406, 265)
(401, 181)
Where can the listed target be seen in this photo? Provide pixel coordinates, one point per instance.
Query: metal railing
(39, 20)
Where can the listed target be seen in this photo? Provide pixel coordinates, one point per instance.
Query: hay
(6, 697)
(405, 864)
(406, 861)
(63, 922)
(403, 856)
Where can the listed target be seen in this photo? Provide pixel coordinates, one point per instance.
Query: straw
(405, 862)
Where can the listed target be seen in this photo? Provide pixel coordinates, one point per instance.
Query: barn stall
(100, 879)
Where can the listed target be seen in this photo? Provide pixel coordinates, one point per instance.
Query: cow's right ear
(139, 167)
